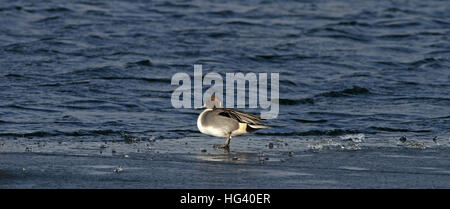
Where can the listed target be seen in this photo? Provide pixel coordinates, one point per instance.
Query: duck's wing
(240, 116)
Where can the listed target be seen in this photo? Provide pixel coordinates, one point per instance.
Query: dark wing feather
(240, 116)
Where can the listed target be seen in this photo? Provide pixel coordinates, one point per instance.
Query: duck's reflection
(231, 156)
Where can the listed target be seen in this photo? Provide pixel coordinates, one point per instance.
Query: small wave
(329, 144)
(218, 35)
(32, 134)
(412, 83)
(395, 36)
(390, 64)
(398, 10)
(288, 82)
(335, 132)
(445, 51)
(353, 23)
(355, 75)
(397, 23)
(183, 131)
(73, 107)
(296, 101)
(58, 9)
(349, 37)
(47, 19)
(141, 62)
(441, 22)
(58, 133)
(335, 33)
(93, 71)
(91, 132)
(403, 49)
(14, 75)
(51, 84)
(188, 53)
(97, 13)
(243, 23)
(357, 138)
(268, 57)
(310, 121)
(176, 5)
(335, 114)
(86, 101)
(431, 33)
(437, 99)
(355, 90)
(421, 62)
(221, 13)
(150, 80)
(58, 84)
(18, 8)
(398, 129)
(277, 57)
(29, 108)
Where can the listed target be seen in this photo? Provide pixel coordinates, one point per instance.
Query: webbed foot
(221, 146)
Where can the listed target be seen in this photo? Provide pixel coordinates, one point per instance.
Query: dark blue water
(93, 70)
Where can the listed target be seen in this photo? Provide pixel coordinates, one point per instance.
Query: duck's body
(227, 123)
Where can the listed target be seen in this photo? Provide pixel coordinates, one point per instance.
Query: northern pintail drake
(224, 122)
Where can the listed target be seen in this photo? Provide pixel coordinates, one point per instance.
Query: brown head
(213, 102)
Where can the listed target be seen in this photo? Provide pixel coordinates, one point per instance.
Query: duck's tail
(258, 126)
(254, 127)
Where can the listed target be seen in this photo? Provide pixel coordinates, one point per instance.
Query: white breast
(209, 130)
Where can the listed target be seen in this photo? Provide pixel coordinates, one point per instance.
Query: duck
(226, 123)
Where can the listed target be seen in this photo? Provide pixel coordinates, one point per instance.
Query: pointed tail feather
(258, 126)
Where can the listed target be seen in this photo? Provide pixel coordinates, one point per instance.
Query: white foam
(357, 138)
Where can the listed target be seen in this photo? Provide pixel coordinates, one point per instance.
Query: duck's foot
(222, 146)
(225, 146)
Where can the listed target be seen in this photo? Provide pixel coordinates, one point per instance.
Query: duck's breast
(211, 123)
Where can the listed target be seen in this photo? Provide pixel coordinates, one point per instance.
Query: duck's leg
(224, 146)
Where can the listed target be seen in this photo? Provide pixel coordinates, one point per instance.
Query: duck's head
(211, 103)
